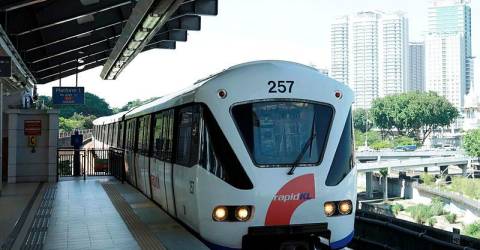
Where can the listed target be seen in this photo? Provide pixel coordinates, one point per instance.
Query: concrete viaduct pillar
(369, 184)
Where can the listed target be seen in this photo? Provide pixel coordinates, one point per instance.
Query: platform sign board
(32, 127)
(68, 95)
(5, 66)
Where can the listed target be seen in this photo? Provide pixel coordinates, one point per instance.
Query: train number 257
(280, 86)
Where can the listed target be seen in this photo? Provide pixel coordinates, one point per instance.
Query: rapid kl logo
(288, 198)
(292, 197)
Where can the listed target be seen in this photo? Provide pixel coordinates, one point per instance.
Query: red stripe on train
(288, 198)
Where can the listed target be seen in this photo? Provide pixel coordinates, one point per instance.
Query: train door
(129, 152)
(186, 164)
(139, 158)
(157, 161)
(143, 154)
(168, 158)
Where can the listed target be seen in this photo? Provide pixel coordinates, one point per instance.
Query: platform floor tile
(84, 218)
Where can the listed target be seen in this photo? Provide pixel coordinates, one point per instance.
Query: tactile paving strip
(145, 238)
(38, 230)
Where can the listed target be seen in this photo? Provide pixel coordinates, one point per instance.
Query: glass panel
(158, 139)
(184, 136)
(280, 132)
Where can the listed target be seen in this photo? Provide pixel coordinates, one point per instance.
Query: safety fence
(90, 162)
(376, 231)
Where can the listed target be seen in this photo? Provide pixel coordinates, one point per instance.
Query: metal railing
(90, 162)
(375, 231)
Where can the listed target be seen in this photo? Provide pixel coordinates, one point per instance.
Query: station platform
(97, 213)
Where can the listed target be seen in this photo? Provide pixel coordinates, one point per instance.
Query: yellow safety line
(142, 234)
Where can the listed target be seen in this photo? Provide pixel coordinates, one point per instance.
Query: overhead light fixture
(80, 60)
(150, 21)
(81, 67)
(141, 34)
(146, 21)
(128, 52)
(133, 45)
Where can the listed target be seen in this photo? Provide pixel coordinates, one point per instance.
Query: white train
(258, 156)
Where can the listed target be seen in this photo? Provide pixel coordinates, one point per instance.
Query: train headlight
(345, 207)
(220, 213)
(242, 213)
(329, 208)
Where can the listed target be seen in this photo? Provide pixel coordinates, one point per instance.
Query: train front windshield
(283, 133)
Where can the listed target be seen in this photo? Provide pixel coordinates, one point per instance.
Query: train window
(115, 134)
(187, 136)
(217, 155)
(158, 139)
(343, 159)
(140, 134)
(277, 133)
(143, 134)
(120, 135)
(130, 140)
(169, 136)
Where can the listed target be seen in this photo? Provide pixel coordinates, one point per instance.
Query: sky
(248, 30)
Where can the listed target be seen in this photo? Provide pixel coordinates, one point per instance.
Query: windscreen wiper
(307, 145)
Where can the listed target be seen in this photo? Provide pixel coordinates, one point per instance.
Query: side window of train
(130, 134)
(343, 160)
(145, 145)
(120, 134)
(217, 155)
(158, 139)
(187, 136)
(169, 145)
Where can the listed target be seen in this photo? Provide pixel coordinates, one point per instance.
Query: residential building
(393, 54)
(448, 50)
(339, 49)
(416, 65)
(370, 54)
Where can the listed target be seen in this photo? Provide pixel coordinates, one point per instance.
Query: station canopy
(52, 39)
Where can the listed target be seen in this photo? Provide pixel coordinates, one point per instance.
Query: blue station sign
(68, 95)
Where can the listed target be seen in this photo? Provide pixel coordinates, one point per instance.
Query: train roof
(187, 95)
(109, 119)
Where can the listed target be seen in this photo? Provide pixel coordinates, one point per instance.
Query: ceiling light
(80, 60)
(141, 34)
(127, 52)
(133, 45)
(81, 67)
(150, 21)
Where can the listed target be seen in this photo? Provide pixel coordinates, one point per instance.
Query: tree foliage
(413, 113)
(360, 120)
(135, 103)
(76, 121)
(471, 143)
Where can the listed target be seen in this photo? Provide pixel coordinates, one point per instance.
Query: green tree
(471, 143)
(135, 103)
(412, 113)
(373, 138)
(76, 121)
(360, 120)
(403, 141)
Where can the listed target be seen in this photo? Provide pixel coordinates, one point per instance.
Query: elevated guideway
(397, 155)
(460, 161)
